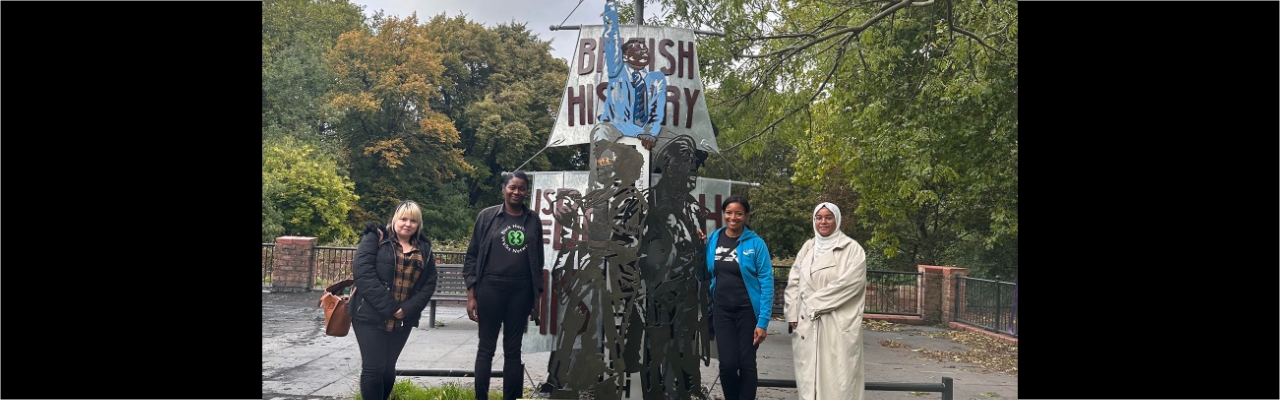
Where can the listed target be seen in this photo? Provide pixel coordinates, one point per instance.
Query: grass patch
(406, 390)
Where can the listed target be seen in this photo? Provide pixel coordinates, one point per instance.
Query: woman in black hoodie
(503, 271)
(395, 276)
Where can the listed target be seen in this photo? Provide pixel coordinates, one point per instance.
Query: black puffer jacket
(375, 268)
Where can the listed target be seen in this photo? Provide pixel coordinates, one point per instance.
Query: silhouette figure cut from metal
(601, 272)
(634, 288)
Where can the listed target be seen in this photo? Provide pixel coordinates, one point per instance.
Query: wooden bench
(450, 286)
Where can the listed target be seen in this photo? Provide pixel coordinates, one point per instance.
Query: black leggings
(735, 331)
(379, 350)
(503, 304)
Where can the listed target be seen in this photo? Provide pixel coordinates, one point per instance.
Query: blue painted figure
(635, 100)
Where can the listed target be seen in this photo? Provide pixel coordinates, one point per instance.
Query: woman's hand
(537, 312)
(472, 305)
(400, 314)
(702, 235)
(793, 325)
(760, 335)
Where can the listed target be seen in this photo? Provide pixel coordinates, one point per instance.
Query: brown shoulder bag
(337, 322)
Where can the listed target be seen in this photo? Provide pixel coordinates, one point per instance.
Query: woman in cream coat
(824, 300)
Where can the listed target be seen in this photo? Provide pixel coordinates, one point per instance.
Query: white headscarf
(823, 244)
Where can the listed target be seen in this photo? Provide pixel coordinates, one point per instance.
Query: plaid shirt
(408, 266)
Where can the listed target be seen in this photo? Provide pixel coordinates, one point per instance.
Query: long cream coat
(826, 298)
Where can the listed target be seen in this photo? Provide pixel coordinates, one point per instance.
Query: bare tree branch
(783, 36)
(1002, 29)
(772, 67)
(855, 30)
(915, 4)
(950, 21)
(822, 87)
(975, 37)
(865, 67)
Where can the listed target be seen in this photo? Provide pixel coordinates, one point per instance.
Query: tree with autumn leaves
(903, 112)
(432, 111)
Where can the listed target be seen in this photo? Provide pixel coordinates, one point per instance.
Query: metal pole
(1013, 313)
(997, 303)
(456, 373)
(947, 385)
(639, 12)
(955, 298)
(943, 387)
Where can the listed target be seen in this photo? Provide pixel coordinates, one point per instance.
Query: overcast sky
(538, 16)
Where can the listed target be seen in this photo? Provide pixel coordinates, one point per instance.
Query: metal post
(955, 298)
(639, 12)
(432, 321)
(451, 373)
(997, 327)
(947, 385)
(1013, 312)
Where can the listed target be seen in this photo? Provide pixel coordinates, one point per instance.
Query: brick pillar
(930, 295)
(936, 294)
(291, 271)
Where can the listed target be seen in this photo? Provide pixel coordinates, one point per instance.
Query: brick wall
(291, 269)
(937, 292)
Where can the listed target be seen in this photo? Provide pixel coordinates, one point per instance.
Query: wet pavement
(300, 362)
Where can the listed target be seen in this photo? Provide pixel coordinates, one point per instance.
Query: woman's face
(825, 222)
(515, 191)
(735, 216)
(406, 226)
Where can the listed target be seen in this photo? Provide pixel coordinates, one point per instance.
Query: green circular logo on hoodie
(515, 238)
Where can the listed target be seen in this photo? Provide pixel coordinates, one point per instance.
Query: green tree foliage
(272, 220)
(302, 188)
(910, 108)
(295, 36)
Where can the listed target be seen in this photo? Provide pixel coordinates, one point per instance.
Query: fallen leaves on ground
(881, 326)
(893, 345)
(992, 354)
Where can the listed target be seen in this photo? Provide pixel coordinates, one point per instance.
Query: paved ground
(300, 362)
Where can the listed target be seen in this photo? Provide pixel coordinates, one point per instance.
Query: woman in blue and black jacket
(742, 297)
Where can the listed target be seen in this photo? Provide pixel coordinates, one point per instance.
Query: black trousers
(379, 350)
(503, 304)
(735, 331)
